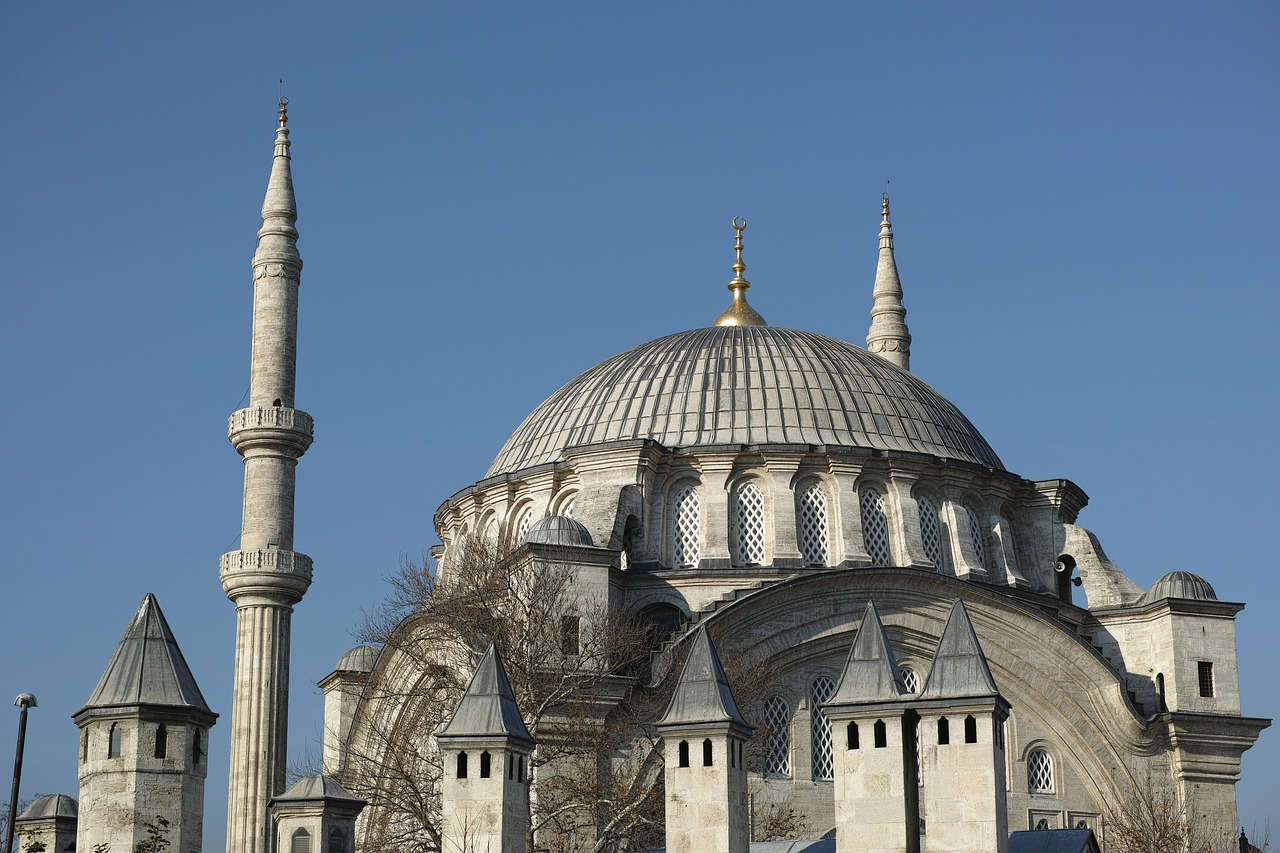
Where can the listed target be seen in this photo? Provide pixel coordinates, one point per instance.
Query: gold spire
(739, 313)
(884, 206)
(284, 111)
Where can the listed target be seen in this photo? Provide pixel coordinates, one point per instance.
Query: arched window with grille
(777, 722)
(748, 525)
(811, 523)
(300, 842)
(1040, 772)
(977, 535)
(875, 526)
(930, 531)
(524, 520)
(113, 741)
(910, 680)
(687, 532)
(821, 691)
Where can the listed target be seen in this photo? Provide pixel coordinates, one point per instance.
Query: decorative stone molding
(273, 269)
(270, 560)
(271, 424)
(271, 573)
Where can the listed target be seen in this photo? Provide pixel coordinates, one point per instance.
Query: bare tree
(1152, 818)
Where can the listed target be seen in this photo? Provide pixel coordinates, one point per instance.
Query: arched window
(1039, 772)
(748, 525)
(688, 528)
(196, 752)
(875, 527)
(113, 741)
(707, 753)
(970, 729)
(930, 531)
(523, 522)
(819, 693)
(684, 753)
(851, 735)
(461, 765)
(910, 680)
(301, 842)
(337, 841)
(944, 731)
(162, 742)
(486, 764)
(777, 722)
(977, 536)
(811, 521)
(567, 508)
(881, 734)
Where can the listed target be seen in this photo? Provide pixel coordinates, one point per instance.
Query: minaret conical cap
(278, 237)
(702, 694)
(488, 705)
(888, 336)
(959, 667)
(739, 313)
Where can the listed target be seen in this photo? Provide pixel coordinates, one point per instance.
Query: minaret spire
(739, 313)
(266, 577)
(888, 336)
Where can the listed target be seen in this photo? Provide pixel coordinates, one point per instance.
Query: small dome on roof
(318, 788)
(1181, 585)
(359, 659)
(51, 805)
(559, 530)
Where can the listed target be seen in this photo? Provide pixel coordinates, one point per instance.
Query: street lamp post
(24, 701)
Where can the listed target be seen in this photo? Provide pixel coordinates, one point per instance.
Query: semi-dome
(736, 385)
(1181, 585)
(559, 530)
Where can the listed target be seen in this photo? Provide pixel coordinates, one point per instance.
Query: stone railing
(270, 560)
(271, 416)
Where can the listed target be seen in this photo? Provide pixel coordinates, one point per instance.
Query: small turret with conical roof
(485, 748)
(144, 741)
(962, 744)
(705, 738)
(873, 729)
(888, 336)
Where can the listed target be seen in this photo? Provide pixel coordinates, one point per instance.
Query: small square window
(1206, 677)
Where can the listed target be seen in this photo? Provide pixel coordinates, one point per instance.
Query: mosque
(939, 657)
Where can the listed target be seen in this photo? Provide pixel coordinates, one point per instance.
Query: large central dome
(730, 385)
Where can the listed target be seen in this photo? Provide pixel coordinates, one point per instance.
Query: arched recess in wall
(747, 528)
(686, 525)
(933, 533)
(813, 527)
(875, 522)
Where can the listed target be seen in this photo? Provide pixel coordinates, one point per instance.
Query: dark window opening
(462, 765)
(195, 746)
(113, 741)
(84, 745)
(852, 735)
(511, 764)
(1160, 693)
(162, 742)
(570, 635)
(944, 731)
(485, 764)
(520, 770)
(970, 730)
(706, 753)
(684, 753)
(1206, 678)
(881, 734)
(337, 841)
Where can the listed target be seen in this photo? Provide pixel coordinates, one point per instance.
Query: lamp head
(25, 700)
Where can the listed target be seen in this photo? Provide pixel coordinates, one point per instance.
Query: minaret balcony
(270, 571)
(271, 425)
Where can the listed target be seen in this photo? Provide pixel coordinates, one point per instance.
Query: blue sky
(494, 197)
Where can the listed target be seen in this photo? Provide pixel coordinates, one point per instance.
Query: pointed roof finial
(284, 109)
(888, 336)
(739, 313)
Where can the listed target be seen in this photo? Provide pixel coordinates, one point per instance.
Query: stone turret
(316, 814)
(705, 738)
(962, 755)
(485, 750)
(266, 577)
(51, 821)
(888, 336)
(873, 733)
(144, 742)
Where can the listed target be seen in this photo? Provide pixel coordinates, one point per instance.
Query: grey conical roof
(147, 667)
(310, 788)
(488, 705)
(959, 666)
(870, 674)
(702, 694)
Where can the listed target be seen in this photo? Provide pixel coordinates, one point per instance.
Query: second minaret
(266, 577)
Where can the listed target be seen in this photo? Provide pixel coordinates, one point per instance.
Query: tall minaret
(888, 336)
(266, 577)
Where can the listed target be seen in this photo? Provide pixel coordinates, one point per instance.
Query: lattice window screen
(567, 512)
(523, 524)
(777, 719)
(819, 693)
(748, 509)
(813, 525)
(875, 527)
(930, 531)
(975, 533)
(688, 529)
(910, 680)
(1039, 772)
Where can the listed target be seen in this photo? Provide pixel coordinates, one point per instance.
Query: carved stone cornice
(290, 429)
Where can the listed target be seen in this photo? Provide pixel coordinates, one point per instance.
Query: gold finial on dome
(739, 313)
(284, 110)
(884, 205)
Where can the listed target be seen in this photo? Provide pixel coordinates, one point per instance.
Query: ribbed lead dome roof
(745, 385)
